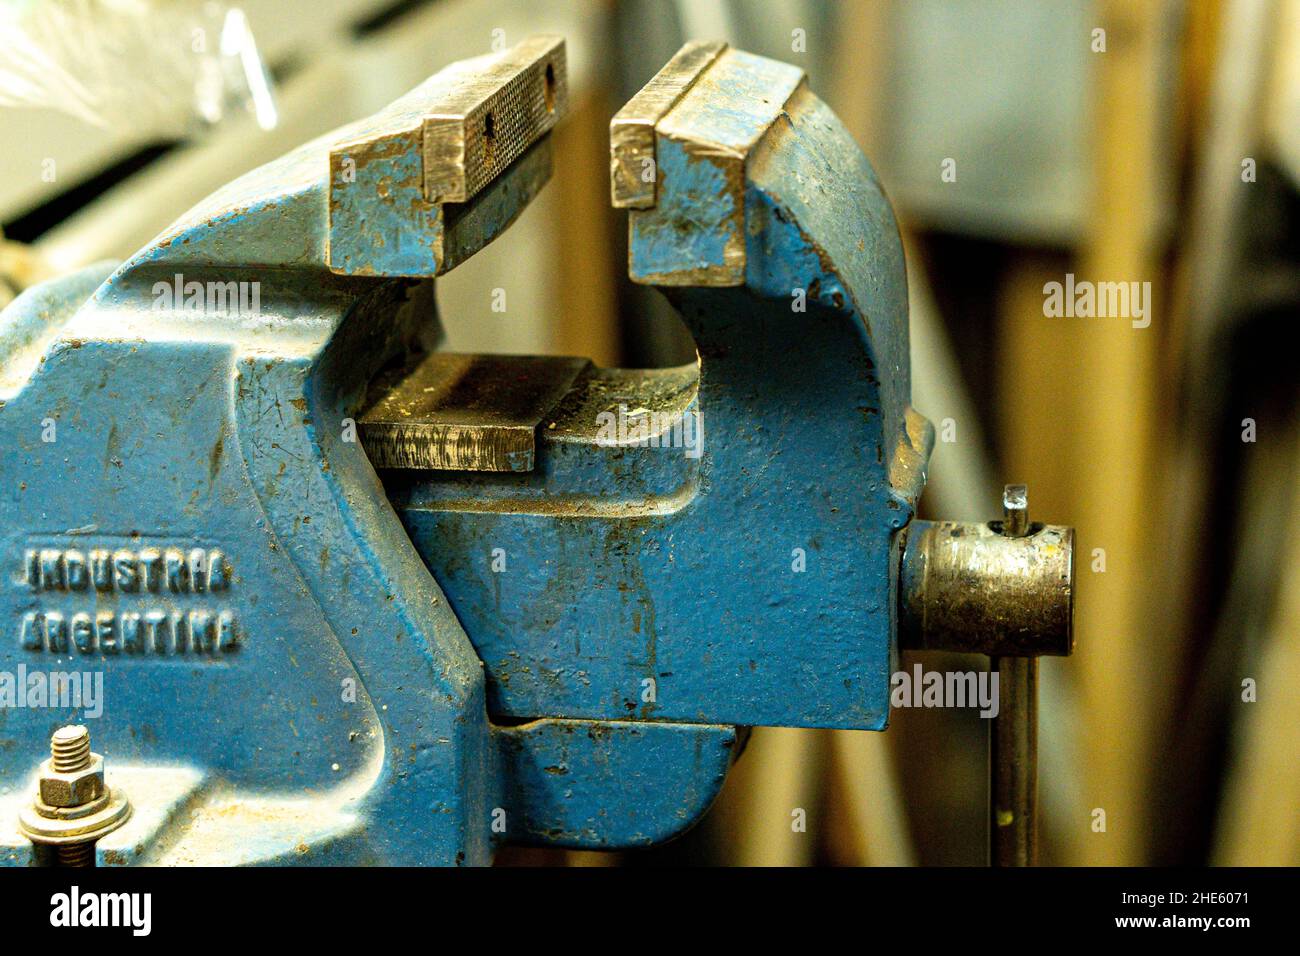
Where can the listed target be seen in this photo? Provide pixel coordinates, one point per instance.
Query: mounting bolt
(73, 806)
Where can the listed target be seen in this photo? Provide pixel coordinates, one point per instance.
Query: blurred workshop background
(1020, 141)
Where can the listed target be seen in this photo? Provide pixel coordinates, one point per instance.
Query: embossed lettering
(177, 577)
(202, 632)
(101, 571)
(75, 563)
(154, 623)
(132, 641)
(83, 634)
(56, 632)
(51, 569)
(32, 624)
(228, 636)
(218, 571)
(124, 569)
(198, 569)
(106, 632)
(151, 566)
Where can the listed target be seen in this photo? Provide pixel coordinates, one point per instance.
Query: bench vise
(326, 594)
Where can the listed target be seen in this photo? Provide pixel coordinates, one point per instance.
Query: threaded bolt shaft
(70, 749)
(76, 854)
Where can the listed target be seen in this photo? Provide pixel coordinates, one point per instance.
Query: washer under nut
(73, 806)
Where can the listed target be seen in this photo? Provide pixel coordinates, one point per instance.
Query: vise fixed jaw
(350, 599)
(711, 544)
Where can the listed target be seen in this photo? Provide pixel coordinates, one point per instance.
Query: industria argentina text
(157, 601)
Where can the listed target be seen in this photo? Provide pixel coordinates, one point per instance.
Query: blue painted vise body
(301, 662)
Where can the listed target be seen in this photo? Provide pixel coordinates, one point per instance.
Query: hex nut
(72, 789)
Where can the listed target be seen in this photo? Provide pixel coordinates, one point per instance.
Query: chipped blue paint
(562, 774)
(380, 223)
(309, 661)
(815, 201)
(691, 586)
(690, 226)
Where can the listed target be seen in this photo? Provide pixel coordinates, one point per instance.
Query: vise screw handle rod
(1013, 743)
(1013, 764)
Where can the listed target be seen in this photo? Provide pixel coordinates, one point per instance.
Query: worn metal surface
(491, 109)
(1015, 511)
(693, 549)
(633, 171)
(747, 578)
(967, 587)
(399, 181)
(595, 784)
(1013, 764)
(1006, 589)
(695, 235)
(283, 680)
(464, 412)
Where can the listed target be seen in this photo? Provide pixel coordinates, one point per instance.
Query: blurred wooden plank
(1120, 648)
(1282, 101)
(1202, 35)
(1259, 821)
(585, 282)
(870, 812)
(1078, 418)
(781, 772)
(1227, 43)
(859, 80)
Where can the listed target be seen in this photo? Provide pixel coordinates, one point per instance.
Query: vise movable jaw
(350, 599)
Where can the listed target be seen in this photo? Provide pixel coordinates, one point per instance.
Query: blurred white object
(163, 68)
